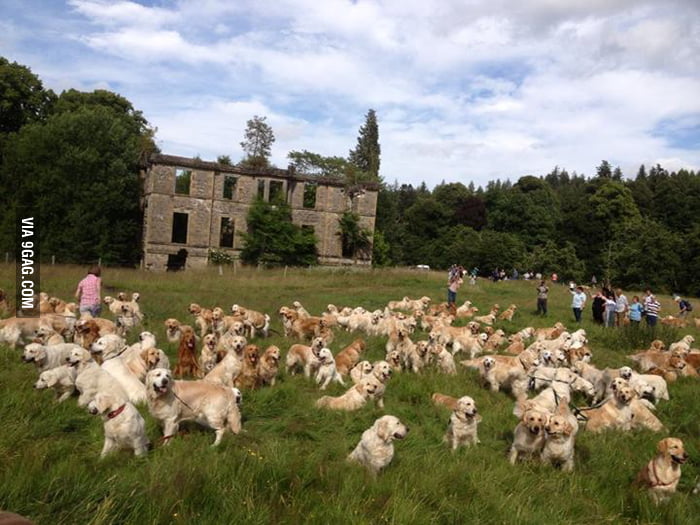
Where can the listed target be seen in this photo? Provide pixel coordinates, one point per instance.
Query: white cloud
(473, 90)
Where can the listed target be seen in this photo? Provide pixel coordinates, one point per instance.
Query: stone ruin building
(191, 207)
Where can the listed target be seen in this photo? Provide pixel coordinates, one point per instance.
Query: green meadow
(288, 464)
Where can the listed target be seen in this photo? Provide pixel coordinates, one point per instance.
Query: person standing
(88, 292)
(651, 309)
(598, 307)
(542, 291)
(621, 307)
(635, 311)
(578, 301)
(610, 309)
(455, 281)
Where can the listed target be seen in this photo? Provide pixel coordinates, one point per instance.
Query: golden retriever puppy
(171, 402)
(443, 400)
(529, 435)
(327, 370)
(462, 428)
(376, 448)
(61, 379)
(349, 356)
(209, 355)
(354, 398)
(304, 357)
(248, 377)
(47, 357)
(661, 475)
(268, 367)
(615, 413)
(123, 425)
(187, 364)
(444, 359)
(360, 371)
(92, 378)
(560, 435)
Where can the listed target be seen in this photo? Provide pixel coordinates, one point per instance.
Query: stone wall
(205, 205)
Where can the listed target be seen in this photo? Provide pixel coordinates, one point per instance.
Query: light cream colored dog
(61, 379)
(529, 435)
(661, 475)
(445, 361)
(124, 427)
(360, 371)
(462, 429)
(376, 448)
(47, 357)
(560, 435)
(327, 370)
(91, 378)
(354, 398)
(171, 402)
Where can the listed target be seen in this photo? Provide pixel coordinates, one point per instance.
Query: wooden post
(285, 271)
(221, 270)
(99, 262)
(7, 257)
(53, 260)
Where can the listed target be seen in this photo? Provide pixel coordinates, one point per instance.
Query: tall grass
(288, 465)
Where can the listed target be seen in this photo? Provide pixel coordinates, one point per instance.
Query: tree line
(632, 232)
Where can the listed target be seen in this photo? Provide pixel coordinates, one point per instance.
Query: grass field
(288, 465)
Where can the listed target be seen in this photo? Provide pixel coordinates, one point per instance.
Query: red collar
(115, 413)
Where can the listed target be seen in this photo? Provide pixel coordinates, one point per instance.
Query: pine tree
(365, 156)
(257, 144)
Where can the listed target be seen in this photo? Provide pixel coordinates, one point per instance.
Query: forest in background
(75, 158)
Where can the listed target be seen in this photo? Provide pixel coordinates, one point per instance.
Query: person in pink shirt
(88, 292)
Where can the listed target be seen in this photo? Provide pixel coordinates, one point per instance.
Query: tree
(366, 154)
(308, 163)
(273, 240)
(224, 159)
(257, 145)
(355, 240)
(604, 171)
(23, 99)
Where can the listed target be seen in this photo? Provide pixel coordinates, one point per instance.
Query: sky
(464, 90)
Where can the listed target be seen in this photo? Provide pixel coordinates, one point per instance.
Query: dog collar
(658, 482)
(115, 413)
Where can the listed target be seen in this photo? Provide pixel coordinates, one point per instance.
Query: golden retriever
(209, 355)
(61, 379)
(202, 318)
(462, 428)
(444, 359)
(327, 370)
(171, 402)
(174, 329)
(360, 371)
(615, 413)
(529, 435)
(91, 378)
(268, 367)
(248, 377)
(508, 313)
(47, 357)
(443, 400)
(187, 364)
(661, 475)
(376, 448)
(354, 398)
(304, 357)
(349, 356)
(560, 434)
(123, 426)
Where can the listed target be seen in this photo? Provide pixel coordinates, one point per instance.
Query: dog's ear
(382, 427)
(568, 428)
(102, 402)
(663, 445)
(50, 379)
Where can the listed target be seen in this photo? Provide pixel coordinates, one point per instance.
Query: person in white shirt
(578, 301)
(621, 307)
